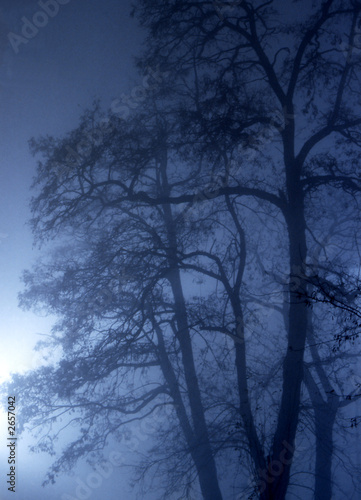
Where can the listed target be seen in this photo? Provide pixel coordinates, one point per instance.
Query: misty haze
(180, 242)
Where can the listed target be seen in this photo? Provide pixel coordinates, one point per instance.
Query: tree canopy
(208, 267)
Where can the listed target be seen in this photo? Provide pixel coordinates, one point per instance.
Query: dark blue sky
(83, 52)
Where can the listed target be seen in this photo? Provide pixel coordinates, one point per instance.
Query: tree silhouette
(126, 343)
(227, 175)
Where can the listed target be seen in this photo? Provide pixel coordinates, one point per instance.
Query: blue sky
(83, 52)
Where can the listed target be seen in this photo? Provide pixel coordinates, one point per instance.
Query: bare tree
(256, 128)
(124, 330)
(242, 62)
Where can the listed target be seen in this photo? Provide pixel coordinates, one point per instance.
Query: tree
(245, 60)
(232, 153)
(118, 339)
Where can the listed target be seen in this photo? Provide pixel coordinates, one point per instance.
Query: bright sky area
(83, 52)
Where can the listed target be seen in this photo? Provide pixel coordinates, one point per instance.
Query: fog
(180, 250)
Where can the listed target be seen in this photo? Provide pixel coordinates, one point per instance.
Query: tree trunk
(276, 479)
(201, 449)
(255, 447)
(325, 416)
(181, 411)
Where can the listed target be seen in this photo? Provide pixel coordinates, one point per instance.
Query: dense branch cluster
(209, 258)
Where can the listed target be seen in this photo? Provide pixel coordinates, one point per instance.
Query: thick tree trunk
(325, 416)
(325, 419)
(276, 479)
(324, 450)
